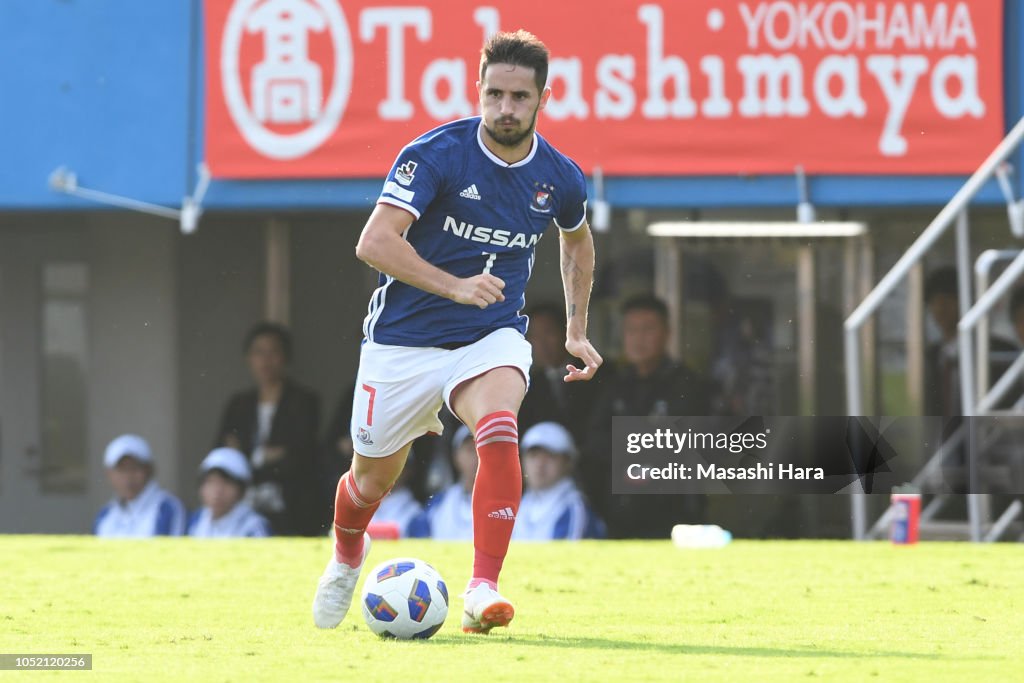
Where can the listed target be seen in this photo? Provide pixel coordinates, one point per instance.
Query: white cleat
(334, 591)
(485, 609)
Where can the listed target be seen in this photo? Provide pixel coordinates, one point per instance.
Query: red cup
(383, 531)
(906, 518)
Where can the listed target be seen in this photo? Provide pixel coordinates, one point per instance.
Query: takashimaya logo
(286, 88)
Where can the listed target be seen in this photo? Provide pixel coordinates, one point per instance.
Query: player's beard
(514, 137)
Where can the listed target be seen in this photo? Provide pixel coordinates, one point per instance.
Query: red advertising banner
(334, 88)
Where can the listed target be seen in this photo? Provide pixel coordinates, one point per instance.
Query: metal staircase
(992, 439)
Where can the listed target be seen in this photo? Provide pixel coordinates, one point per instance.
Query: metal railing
(983, 267)
(955, 210)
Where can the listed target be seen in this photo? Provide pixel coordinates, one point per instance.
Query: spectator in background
(140, 508)
(449, 514)
(552, 507)
(942, 359)
(550, 397)
(742, 367)
(646, 383)
(942, 385)
(224, 476)
(400, 509)
(275, 425)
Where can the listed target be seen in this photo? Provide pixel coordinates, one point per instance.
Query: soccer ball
(404, 598)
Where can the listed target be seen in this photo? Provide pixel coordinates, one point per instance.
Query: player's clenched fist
(480, 290)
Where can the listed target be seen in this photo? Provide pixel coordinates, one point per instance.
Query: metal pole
(965, 329)
(1004, 521)
(981, 339)
(892, 278)
(806, 323)
(983, 266)
(868, 340)
(854, 388)
(668, 286)
(963, 260)
(1006, 382)
(915, 340)
(938, 226)
(970, 319)
(101, 197)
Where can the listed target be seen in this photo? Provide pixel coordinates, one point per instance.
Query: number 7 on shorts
(372, 391)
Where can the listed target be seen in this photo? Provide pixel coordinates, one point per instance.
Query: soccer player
(453, 235)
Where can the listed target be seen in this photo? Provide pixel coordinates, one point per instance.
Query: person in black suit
(648, 382)
(275, 424)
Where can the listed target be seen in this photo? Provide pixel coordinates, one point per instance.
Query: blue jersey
(474, 214)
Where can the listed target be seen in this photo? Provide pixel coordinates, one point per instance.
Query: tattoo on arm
(577, 261)
(571, 276)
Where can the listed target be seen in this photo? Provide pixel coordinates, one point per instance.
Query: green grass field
(178, 609)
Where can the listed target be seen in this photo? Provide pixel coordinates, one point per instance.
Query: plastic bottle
(700, 536)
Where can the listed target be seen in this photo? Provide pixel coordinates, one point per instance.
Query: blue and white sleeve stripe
(572, 523)
(170, 519)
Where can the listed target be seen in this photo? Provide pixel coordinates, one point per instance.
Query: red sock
(352, 512)
(496, 493)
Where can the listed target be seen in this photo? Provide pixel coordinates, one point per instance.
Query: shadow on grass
(542, 641)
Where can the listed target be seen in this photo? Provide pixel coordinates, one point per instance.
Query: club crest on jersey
(405, 173)
(542, 197)
(364, 436)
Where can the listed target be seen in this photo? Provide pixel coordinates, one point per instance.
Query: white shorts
(399, 389)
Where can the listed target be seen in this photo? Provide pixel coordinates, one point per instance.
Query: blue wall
(113, 90)
(99, 86)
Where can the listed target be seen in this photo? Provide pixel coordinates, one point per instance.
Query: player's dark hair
(550, 310)
(1016, 302)
(275, 330)
(520, 48)
(941, 281)
(646, 302)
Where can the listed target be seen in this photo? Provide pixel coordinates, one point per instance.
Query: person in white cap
(449, 514)
(140, 508)
(552, 507)
(224, 476)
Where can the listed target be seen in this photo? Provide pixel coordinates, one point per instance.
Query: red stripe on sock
(499, 485)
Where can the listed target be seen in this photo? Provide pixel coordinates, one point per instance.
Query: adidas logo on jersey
(470, 192)
(503, 513)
